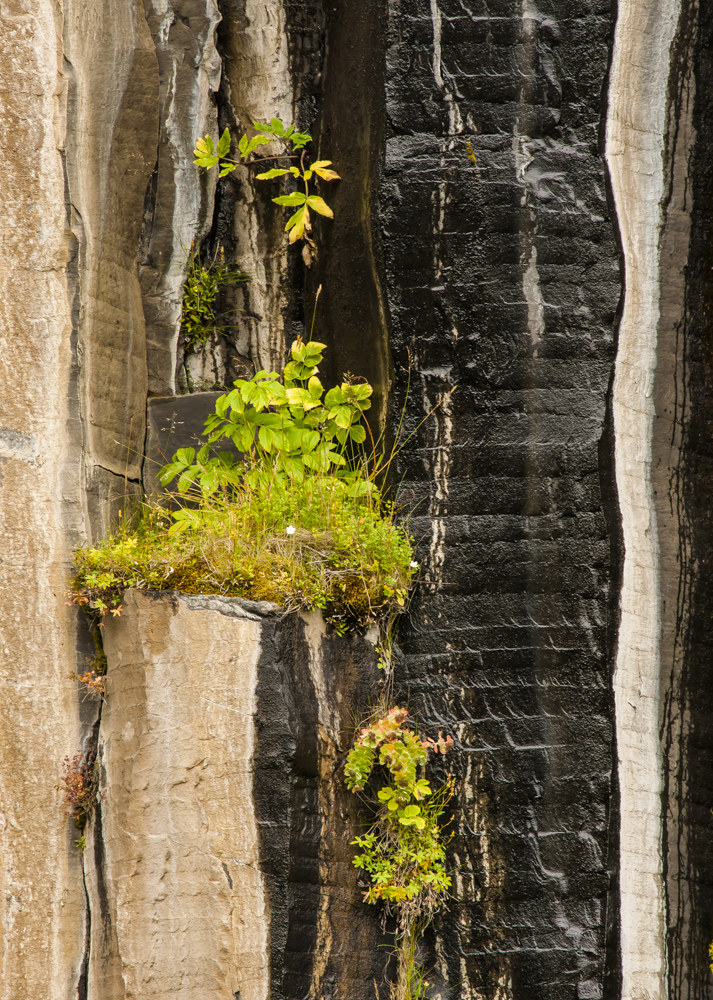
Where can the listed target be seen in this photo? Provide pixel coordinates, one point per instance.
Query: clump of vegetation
(299, 520)
(402, 853)
(299, 225)
(199, 319)
(95, 683)
(79, 783)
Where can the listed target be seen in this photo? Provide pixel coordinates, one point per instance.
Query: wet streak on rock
(323, 941)
(274, 753)
(689, 711)
(352, 315)
(503, 279)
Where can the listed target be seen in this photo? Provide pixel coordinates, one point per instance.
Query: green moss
(302, 545)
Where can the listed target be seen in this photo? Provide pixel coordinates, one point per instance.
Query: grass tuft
(346, 555)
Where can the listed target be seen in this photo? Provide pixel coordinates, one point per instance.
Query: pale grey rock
(258, 86)
(185, 900)
(41, 894)
(636, 122)
(179, 204)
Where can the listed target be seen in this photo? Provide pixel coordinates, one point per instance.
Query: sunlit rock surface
(217, 860)
(524, 214)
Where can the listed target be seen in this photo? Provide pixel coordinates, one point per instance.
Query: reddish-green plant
(402, 853)
(79, 783)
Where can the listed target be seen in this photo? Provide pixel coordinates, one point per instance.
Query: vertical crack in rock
(344, 84)
(635, 132)
(256, 86)
(83, 981)
(178, 209)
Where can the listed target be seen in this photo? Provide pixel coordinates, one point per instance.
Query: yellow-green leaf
(326, 175)
(320, 205)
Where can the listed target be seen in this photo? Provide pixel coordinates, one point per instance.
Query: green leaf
(243, 145)
(319, 205)
(269, 174)
(226, 168)
(300, 139)
(277, 127)
(294, 220)
(260, 127)
(257, 140)
(315, 387)
(357, 433)
(296, 198)
(342, 416)
(334, 397)
(224, 143)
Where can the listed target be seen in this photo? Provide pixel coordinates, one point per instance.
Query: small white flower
(413, 565)
(290, 529)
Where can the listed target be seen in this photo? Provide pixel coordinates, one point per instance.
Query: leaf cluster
(299, 224)
(79, 782)
(286, 429)
(402, 852)
(199, 319)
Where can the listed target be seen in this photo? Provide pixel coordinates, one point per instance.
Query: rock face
(524, 215)
(177, 898)
(216, 861)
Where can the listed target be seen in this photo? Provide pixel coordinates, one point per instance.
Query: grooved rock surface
(178, 205)
(111, 126)
(217, 859)
(179, 908)
(503, 280)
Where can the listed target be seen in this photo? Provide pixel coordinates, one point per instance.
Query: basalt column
(503, 280)
(217, 859)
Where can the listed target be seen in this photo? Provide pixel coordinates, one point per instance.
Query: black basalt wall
(503, 280)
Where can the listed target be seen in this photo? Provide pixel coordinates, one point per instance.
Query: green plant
(80, 843)
(79, 782)
(402, 853)
(300, 521)
(286, 430)
(199, 320)
(299, 224)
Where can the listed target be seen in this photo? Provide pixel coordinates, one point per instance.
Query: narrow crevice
(90, 750)
(83, 981)
(612, 972)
